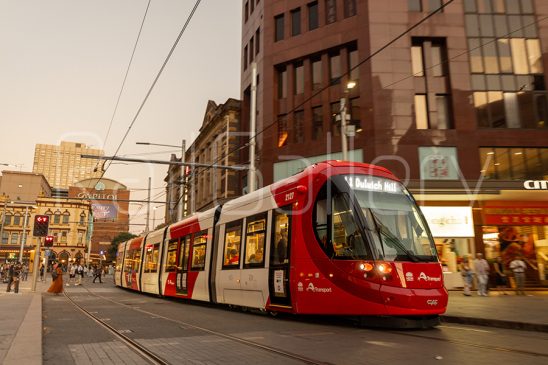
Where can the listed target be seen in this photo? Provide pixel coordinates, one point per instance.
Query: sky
(62, 64)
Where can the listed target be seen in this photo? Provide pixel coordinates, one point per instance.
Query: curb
(497, 323)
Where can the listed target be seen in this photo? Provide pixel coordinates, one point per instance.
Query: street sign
(47, 253)
(41, 225)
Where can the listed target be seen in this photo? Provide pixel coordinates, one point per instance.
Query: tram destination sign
(371, 183)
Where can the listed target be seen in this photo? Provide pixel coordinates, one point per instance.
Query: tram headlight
(384, 268)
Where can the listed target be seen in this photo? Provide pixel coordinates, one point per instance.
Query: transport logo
(423, 276)
(170, 282)
(314, 289)
(409, 276)
(432, 302)
(300, 286)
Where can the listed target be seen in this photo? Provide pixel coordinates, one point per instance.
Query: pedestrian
(11, 269)
(501, 279)
(57, 276)
(466, 273)
(481, 267)
(72, 274)
(79, 274)
(25, 272)
(98, 271)
(16, 277)
(518, 267)
(42, 272)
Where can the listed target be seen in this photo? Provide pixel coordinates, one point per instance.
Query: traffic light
(48, 241)
(41, 225)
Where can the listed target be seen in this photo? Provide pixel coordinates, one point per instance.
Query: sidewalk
(528, 312)
(21, 324)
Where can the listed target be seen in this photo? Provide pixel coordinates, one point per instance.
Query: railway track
(153, 357)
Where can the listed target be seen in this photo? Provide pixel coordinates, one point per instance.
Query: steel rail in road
(139, 349)
(249, 343)
(316, 362)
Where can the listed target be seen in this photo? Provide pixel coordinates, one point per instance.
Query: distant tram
(339, 238)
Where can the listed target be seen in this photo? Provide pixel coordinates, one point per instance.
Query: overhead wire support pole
(148, 207)
(252, 173)
(161, 162)
(181, 186)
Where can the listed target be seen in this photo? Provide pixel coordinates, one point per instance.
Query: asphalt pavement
(22, 326)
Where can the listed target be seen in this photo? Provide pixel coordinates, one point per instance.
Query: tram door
(280, 257)
(182, 266)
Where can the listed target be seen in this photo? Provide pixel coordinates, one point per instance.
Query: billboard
(104, 211)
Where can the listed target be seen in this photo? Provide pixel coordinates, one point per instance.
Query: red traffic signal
(41, 225)
(48, 241)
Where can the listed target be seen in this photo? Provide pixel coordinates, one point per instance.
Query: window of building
(283, 133)
(245, 58)
(335, 125)
(417, 62)
(330, 11)
(233, 240)
(415, 5)
(257, 40)
(5, 236)
(14, 238)
(255, 241)
(349, 8)
(64, 235)
(7, 219)
(82, 219)
(66, 217)
(316, 73)
(443, 104)
(501, 163)
(80, 238)
(296, 22)
(282, 83)
(57, 218)
(299, 126)
(279, 27)
(199, 251)
(252, 7)
(317, 123)
(421, 111)
(299, 78)
(16, 220)
(353, 61)
(335, 68)
(523, 109)
(313, 20)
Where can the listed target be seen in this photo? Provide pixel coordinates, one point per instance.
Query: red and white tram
(339, 238)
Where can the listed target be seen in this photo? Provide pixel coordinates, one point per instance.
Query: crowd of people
(498, 271)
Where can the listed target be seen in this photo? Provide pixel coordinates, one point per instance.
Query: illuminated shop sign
(104, 211)
(536, 184)
(370, 183)
(449, 221)
(531, 215)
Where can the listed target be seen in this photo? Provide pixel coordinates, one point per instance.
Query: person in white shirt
(518, 266)
(481, 267)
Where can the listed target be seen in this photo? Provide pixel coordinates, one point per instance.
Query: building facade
(109, 201)
(456, 107)
(23, 186)
(63, 165)
(219, 134)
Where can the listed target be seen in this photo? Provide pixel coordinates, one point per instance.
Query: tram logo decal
(170, 282)
(423, 276)
(409, 276)
(314, 289)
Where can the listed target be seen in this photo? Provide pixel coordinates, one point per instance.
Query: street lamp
(344, 116)
(183, 150)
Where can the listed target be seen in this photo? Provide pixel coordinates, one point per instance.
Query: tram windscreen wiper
(383, 230)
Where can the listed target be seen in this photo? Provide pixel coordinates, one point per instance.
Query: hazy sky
(62, 63)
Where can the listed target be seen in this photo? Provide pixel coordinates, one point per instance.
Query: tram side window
(255, 241)
(321, 222)
(171, 262)
(347, 239)
(151, 258)
(233, 239)
(199, 251)
(136, 260)
(119, 256)
(128, 263)
(279, 253)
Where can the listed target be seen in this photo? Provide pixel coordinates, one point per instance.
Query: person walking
(481, 267)
(72, 274)
(79, 274)
(501, 279)
(57, 276)
(10, 277)
(42, 272)
(98, 271)
(466, 272)
(518, 267)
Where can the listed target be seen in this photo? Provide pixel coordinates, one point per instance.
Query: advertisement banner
(104, 211)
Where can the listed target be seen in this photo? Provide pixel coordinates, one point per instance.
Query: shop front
(518, 227)
(453, 230)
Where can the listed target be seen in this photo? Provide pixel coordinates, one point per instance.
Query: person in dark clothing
(282, 247)
(11, 270)
(97, 272)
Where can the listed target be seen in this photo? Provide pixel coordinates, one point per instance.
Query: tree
(122, 237)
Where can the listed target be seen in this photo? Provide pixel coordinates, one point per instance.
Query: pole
(192, 181)
(2, 223)
(24, 238)
(251, 175)
(35, 265)
(180, 183)
(226, 153)
(148, 207)
(344, 144)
